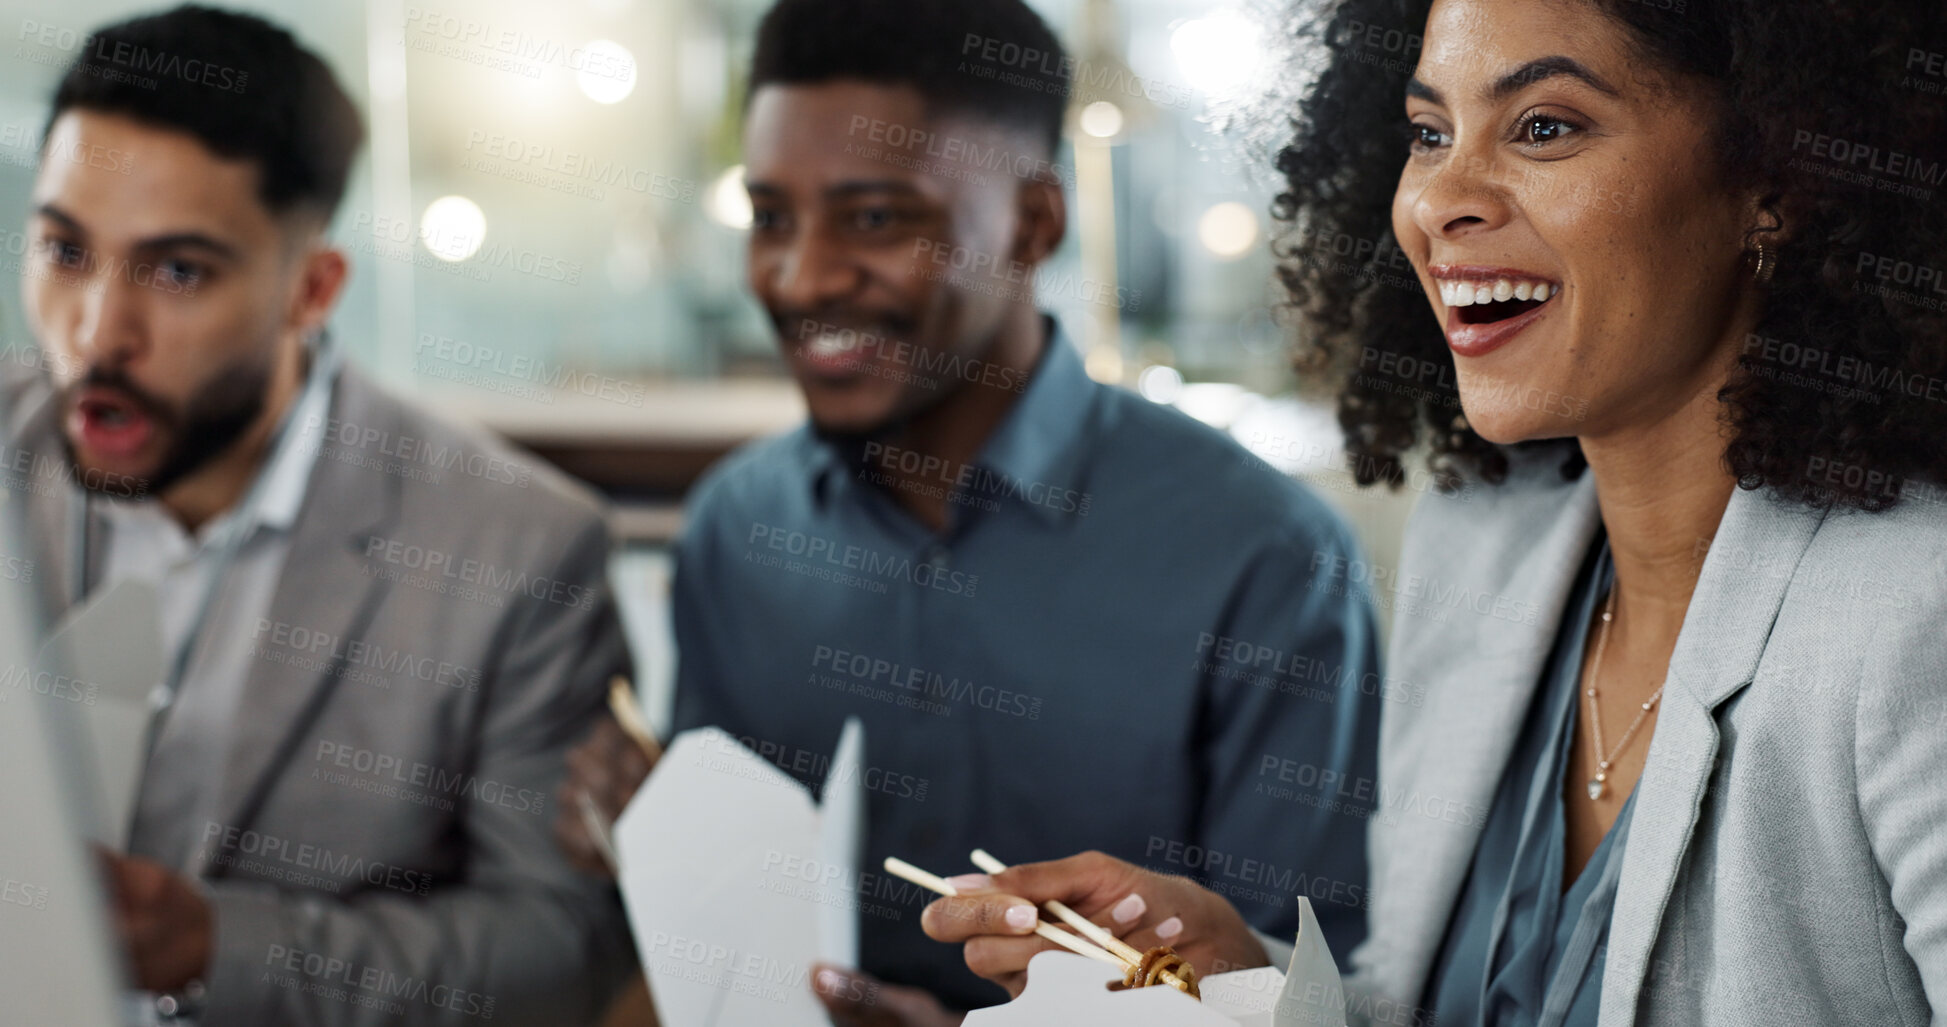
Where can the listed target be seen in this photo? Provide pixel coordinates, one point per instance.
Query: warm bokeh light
(453, 228)
(1218, 52)
(1160, 383)
(606, 71)
(728, 202)
(1102, 119)
(1228, 230)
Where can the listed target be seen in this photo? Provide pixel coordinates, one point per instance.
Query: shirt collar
(279, 489)
(1038, 443)
(287, 474)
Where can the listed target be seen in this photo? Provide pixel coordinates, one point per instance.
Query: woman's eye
(1540, 129)
(1426, 137)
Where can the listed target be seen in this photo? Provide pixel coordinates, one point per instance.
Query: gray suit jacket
(384, 852)
(1787, 861)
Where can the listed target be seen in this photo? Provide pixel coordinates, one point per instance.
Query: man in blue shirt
(1069, 618)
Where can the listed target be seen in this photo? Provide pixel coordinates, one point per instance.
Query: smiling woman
(1692, 330)
(1664, 276)
(1648, 168)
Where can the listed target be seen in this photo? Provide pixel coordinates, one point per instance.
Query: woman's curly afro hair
(1835, 110)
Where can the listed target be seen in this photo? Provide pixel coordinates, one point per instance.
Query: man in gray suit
(380, 631)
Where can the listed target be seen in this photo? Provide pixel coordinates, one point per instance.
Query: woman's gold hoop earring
(1766, 266)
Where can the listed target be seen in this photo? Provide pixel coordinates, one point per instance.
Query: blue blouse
(1520, 952)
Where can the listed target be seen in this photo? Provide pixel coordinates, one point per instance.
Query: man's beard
(205, 427)
(909, 405)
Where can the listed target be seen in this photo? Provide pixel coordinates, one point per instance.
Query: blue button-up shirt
(1125, 639)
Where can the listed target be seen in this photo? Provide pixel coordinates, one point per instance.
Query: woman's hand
(995, 917)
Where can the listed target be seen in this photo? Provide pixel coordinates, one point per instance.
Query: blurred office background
(547, 229)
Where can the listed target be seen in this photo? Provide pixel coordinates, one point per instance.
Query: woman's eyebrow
(1544, 68)
(1520, 78)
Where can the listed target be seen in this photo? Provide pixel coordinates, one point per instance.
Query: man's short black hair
(994, 59)
(240, 85)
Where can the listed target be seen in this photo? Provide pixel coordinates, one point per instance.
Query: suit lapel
(1442, 766)
(326, 587)
(49, 506)
(1739, 593)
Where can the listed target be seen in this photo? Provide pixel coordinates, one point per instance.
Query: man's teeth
(829, 344)
(1466, 294)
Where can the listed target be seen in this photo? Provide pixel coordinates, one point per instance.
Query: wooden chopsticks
(906, 871)
(621, 703)
(1089, 928)
(1094, 942)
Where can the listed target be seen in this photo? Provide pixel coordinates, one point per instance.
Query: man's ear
(1042, 217)
(322, 271)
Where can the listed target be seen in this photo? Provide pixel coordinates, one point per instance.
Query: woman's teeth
(1466, 294)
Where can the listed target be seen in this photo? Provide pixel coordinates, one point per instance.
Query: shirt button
(938, 556)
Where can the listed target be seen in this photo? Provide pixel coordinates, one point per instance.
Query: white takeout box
(736, 883)
(1072, 991)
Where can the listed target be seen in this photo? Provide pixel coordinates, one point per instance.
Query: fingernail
(829, 981)
(1169, 928)
(1021, 917)
(1129, 909)
(970, 882)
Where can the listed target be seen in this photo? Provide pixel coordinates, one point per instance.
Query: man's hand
(165, 924)
(856, 999)
(608, 766)
(995, 917)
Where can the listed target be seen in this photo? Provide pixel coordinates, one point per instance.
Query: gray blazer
(428, 889)
(1787, 861)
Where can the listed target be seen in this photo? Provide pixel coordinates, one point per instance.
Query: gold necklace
(1599, 784)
